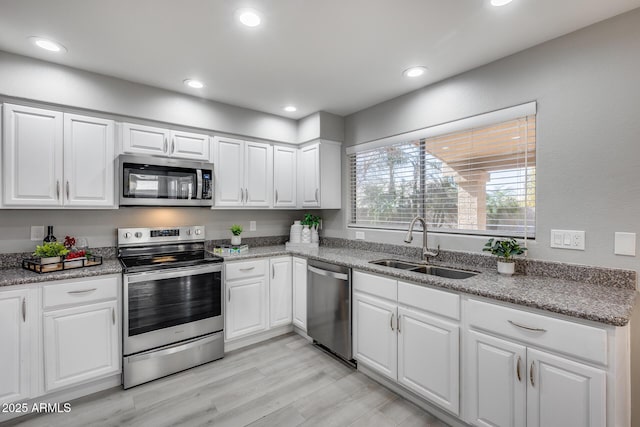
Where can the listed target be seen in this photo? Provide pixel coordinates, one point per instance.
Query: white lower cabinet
(246, 307)
(396, 334)
(512, 383)
(15, 335)
(300, 293)
(280, 292)
(80, 343)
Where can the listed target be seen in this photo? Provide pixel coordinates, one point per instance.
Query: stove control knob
(138, 234)
(189, 232)
(198, 232)
(126, 235)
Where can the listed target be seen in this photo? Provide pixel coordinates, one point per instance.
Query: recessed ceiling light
(290, 109)
(47, 44)
(196, 84)
(500, 2)
(249, 17)
(414, 71)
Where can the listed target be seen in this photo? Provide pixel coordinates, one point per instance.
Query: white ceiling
(338, 56)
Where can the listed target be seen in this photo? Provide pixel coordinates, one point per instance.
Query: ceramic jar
(306, 234)
(295, 235)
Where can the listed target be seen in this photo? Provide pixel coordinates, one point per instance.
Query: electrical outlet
(567, 239)
(37, 233)
(252, 226)
(359, 235)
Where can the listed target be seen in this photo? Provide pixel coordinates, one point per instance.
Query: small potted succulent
(50, 254)
(236, 230)
(504, 249)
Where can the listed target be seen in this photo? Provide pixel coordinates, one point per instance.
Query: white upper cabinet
(89, 161)
(243, 173)
(53, 159)
(284, 177)
(32, 156)
(319, 176)
(141, 139)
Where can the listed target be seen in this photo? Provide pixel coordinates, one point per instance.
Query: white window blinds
(478, 180)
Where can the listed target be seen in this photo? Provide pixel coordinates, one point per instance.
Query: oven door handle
(171, 273)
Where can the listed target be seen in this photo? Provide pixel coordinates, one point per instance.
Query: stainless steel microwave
(156, 181)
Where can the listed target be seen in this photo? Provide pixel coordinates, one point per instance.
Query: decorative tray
(36, 264)
(230, 249)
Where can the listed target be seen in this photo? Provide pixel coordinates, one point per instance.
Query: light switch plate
(567, 239)
(37, 233)
(252, 226)
(359, 235)
(625, 244)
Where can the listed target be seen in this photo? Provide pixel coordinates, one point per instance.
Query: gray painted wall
(588, 149)
(100, 226)
(32, 79)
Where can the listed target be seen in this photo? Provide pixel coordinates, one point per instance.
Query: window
(474, 176)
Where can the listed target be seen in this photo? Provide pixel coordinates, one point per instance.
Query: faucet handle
(428, 253)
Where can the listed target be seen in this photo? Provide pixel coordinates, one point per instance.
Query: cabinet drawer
(383, 287)
(582, 341)
(242, 269)
(433, 300)
(80, 292)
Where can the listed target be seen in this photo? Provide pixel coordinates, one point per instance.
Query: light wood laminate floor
(282, 382)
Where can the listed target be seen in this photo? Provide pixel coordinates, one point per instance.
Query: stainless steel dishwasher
(329, 308)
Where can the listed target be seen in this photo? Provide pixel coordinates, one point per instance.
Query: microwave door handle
(199, 184)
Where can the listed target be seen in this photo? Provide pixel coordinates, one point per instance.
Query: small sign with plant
(505, 250)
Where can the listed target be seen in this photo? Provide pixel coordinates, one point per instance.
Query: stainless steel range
(173, 307)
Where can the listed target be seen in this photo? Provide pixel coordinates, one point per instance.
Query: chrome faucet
(426, 253)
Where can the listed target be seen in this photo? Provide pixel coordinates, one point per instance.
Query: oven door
(172, 305)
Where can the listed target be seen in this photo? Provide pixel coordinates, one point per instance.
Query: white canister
(296, 232)
(306, 234)
(315, 238)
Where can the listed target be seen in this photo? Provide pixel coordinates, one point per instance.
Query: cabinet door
(88, 161)
(564, 393)
(428, 357)
(228, 159)
(280, 291)
(258, 174)
(140, 139)
(494, 392)
(375, 342)
(80, 344)
(300, 293)
(284, 177)
(246, 307)
(14, 351)
(191, 146)
(309, 175)
(32, 156)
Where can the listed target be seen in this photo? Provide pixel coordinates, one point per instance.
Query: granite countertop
(20, 276)
(597, 302)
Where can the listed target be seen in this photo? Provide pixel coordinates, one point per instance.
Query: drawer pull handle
(84, 291)
(24, 309)
(399, 320)
(247, 269)
(58, 190)
(164, 147)
(67, 188)
(518, 369)
(391, 322)
(528, 328)
(273, 271)
(229, 295)
(533, 383)
(276, 196)
(316, 195)
(113, 315)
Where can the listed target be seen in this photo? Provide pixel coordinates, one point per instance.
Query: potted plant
(236, 230)
(313, 223)
(504, 249)
(50, 254)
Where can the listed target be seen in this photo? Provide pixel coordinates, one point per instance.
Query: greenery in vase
(311, 220)
(236, 229)
(504, 248)
(50, 249)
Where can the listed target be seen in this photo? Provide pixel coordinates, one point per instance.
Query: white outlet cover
(625, 244)
(37, 233)
(252, 226)
(359, 235)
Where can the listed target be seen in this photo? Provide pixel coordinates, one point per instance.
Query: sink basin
(449, 273)
(394, 263)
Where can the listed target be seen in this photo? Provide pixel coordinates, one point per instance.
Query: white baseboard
(64, 396)
(254, 339)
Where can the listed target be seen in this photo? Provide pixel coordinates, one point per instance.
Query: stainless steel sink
(394, 263)
(449, 273)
